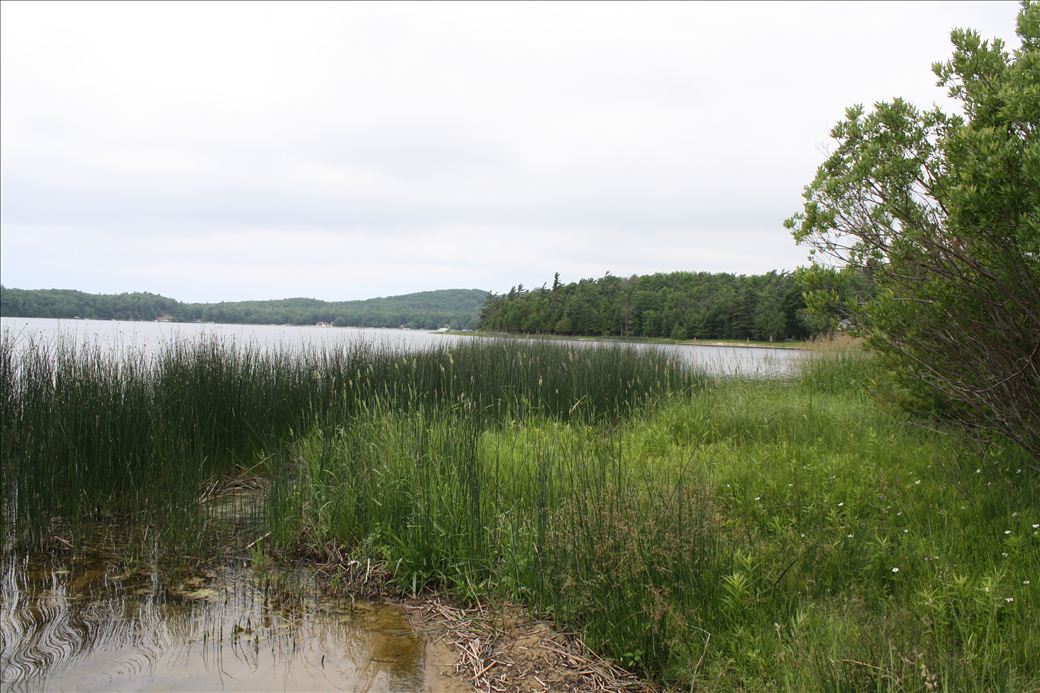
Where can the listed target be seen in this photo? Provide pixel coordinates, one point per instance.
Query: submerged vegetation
(723, 534)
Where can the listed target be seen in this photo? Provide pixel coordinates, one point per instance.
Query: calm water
(89, 625)
(90, 619)
(94, 618)
(717, 360)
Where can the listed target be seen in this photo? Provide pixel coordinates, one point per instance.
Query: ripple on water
(81, 625)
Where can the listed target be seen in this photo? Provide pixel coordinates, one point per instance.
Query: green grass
(90, 435)
(799, 534)
(748, 535)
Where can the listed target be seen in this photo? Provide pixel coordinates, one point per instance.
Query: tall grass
(93, 434)
(748, 535)
(739, 534)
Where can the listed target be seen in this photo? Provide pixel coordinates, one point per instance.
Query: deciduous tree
(943, 211)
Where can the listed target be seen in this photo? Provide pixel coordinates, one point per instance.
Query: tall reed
(792, 535)
(90, 433)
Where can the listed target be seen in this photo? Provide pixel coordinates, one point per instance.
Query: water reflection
(715, 360)
(83, 624)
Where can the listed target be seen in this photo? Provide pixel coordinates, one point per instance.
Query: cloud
(232, 150)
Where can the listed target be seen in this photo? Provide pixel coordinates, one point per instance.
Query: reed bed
(732, 534)
(759, 535)
(93, 434)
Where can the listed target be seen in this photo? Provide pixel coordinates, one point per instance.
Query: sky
(210, 151)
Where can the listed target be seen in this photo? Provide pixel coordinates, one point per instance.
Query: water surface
(96, 617)
(716, 360)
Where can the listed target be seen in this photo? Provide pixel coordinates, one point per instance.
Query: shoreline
(736, 344)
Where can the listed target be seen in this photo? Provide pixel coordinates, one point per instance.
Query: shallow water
(101, 620)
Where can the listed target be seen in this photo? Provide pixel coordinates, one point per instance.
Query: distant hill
(453, 308)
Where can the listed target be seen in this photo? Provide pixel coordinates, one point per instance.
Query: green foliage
(454, 308)
(722, 535)
(679, 305)
(943, 212)
(833, 298)
(747, 535)
(89, 433)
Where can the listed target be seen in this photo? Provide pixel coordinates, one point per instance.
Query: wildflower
(849, 536)
(1004, 554)
(978, 471)
(1036, 526)
(1025, 582)
(758, 498)
(895, 570)
(1007, 531)
(841, 505)
(906, 531)
(1009, 600)
(917, 483)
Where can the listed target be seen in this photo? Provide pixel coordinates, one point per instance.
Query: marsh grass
(94, 434)
(731, 534)
(745, 535)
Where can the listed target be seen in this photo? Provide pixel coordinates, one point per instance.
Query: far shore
(736, 343)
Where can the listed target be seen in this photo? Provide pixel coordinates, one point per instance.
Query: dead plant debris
(501, 649)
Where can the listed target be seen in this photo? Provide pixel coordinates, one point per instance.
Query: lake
(716, 360)
(97, 614)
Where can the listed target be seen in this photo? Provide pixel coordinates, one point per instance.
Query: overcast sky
(211, 151)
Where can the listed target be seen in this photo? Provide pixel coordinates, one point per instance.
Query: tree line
(452, 308)
(677, 305)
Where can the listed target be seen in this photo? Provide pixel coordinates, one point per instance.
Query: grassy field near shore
(750, 535)
(798, 534)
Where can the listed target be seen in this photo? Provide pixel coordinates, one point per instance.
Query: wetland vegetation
(801, 533)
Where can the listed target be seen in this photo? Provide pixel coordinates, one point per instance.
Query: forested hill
(679, 305)
(454, 308)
